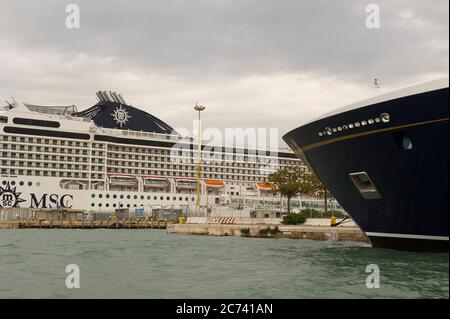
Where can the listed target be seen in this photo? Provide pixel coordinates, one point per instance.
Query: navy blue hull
(406, 158)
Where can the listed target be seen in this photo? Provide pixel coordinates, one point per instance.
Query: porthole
(134, 205)
(142, 196)
(357, 124)
(128, 196)
(128, 205)
(121, 196)
(187, 199)
(377, 120)
(135, 197)
(4, 182)
(93, 195)
(155, 198)
(345, 127)
(107, 205)
(100, 205)
(320, 134)
(371, 121)
(385, 117)
(107, 195)
(92, 204)
(334, 130)
(328, 130)
(114, 196)
(174, 198)
(13, 183)
(351, 125)
(168, 197)
(21, 183)
(100, 196)
(114, 205)
(161, 198)
(339, 128)
(363, 123)
(193, 199)
(30, 184)
(148, 197)
(180, 199)
(121, 205)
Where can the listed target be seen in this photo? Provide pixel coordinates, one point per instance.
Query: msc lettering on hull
(51, 201)
(10, 197)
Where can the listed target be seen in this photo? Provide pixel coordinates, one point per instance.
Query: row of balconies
(38, 141)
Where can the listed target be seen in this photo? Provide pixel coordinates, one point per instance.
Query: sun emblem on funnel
(120, 116)
(9, 197)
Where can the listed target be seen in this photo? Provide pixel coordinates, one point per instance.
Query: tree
(290, 181)
(320, 191)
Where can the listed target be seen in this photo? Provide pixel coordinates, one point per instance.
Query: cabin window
(3, 119)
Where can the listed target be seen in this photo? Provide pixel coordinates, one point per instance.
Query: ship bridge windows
(3, 119)
(34, 122)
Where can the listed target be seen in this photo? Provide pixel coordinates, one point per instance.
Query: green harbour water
(153, 264)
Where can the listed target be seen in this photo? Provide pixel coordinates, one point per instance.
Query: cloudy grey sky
(253, 63)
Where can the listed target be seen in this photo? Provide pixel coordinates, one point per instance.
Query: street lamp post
(199, 109)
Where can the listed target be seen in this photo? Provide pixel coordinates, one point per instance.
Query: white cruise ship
(114, 155)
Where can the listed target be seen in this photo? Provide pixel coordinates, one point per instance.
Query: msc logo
(9, 197)
(120, 116)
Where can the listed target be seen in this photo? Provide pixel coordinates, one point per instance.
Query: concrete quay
(83, 224)
(271, 231)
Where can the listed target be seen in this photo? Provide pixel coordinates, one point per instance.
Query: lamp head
(199, 107)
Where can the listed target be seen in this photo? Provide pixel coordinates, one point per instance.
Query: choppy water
(153, 264)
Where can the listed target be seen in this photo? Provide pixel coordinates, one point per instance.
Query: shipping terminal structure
(386, 161)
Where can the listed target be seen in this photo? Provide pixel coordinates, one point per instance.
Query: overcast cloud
(253, 63)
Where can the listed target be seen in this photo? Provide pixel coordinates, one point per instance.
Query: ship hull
(401, 200)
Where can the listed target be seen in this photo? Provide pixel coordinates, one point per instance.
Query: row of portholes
(115, 205)
(20, 183)
(384, 117)
(135, 205)
(142, 197)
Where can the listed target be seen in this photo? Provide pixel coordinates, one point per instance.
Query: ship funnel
(122, 99)
(103, 97)
(115, 97)
(111, 94)
(108, 97)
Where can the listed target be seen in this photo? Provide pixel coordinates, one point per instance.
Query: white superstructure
(57, 157)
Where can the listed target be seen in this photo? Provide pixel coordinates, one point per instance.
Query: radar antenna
(376, 85)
